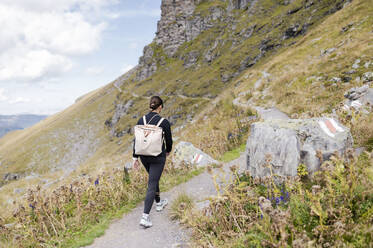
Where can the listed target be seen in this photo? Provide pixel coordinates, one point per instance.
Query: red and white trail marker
(330, 127)
(197, 158)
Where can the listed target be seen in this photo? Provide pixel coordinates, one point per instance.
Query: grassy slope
(293, 86)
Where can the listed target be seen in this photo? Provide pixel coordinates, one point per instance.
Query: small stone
(367, 77)
(265, 204)
(350, 72)
(336, 80)
(347, 27)
(367, 64)
(346, 79)
(328, 51)
(356, 64)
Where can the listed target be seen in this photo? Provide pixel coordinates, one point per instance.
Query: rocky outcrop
(240, 4)
(285, 144)
(190, 59)
(178, 24)
(147, 65)
(188, 154)
(359, 97)
(121, 109)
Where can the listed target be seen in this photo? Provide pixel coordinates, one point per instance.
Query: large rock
(358, 97)
(289, 143)
(186, 153)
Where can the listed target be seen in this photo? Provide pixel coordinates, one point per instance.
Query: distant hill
(16, 122)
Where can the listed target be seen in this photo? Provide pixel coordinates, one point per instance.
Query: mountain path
(165, 233)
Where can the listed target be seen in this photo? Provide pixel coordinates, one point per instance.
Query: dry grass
(54, 219)
(182, 203)
(333, 208)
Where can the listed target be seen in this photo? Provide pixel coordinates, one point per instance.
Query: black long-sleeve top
(165, 125)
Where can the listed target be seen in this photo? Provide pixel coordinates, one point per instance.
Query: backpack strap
(160, 122)
(144, 119)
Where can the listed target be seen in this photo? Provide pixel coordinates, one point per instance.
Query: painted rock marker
(330, 127)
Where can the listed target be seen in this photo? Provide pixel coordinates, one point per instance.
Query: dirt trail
(165, 233)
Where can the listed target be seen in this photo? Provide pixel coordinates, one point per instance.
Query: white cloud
(126, 68)
(41, 38)
(95, 70)
(3, 96)
(19, 100)
(32, 64)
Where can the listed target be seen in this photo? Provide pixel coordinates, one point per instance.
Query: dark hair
(155, 102)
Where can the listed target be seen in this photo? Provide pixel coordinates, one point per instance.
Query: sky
(54, 51)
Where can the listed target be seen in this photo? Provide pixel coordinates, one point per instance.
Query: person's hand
(136, 164)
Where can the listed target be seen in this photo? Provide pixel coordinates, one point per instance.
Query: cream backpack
(148, 138)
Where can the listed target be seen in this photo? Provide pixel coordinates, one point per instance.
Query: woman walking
(154, 164)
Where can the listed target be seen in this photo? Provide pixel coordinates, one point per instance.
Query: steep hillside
(205, 55)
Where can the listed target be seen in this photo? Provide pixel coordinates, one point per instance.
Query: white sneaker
(145, 222)
(161, 205)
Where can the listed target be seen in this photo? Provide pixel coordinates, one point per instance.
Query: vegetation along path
(126, 232)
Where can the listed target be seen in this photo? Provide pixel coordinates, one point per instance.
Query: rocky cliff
(236, 21)
(178, 24)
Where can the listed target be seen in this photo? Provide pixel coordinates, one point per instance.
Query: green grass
(233, 154)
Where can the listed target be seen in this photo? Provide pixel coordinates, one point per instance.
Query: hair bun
(155, 102)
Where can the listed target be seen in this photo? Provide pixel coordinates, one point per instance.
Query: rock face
(121, 109)
(147, 66)
(240, 4)
(178, 24)
(173, 26)
(288, 143)
(186, 153)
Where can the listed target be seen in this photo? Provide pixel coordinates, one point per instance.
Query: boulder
(187, 153)
(288, 143)
(359, 97)
(367, 77)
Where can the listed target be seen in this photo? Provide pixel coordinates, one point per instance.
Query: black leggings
(154, 166)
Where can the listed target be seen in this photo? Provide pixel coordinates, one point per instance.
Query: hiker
(155, 162)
